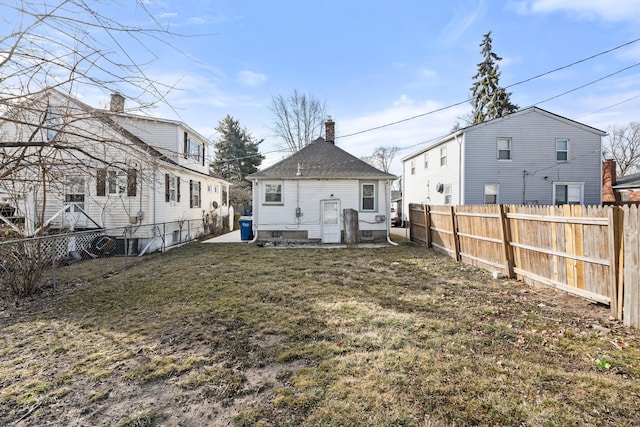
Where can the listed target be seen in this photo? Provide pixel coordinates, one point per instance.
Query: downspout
(254, 212)
(388, 204)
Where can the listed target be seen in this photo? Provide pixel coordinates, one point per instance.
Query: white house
(102, 169)
(528, 157)
(308, 196)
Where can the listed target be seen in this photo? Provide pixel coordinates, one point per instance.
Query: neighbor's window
(413, 166)
(569, 193)
(171, 188)
(192, 150)
(194, 194)
(273, 192)
(562, 150)
(504, 148)
(447, 194)
(116, 181)
(426, 160)
(443, 156)
(491, 194)
(368, 196)
(53, 123)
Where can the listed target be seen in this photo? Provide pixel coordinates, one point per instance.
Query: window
(504, 148)
(194, 194)
(443, 156)
(116, 181)
(413, 166)
(426, 160)
(53, 123)
(447, 194)
(368, 196)
(273, 193)
(562, 150)
(568, 193)
(171, 188)
(491, 194)
(192, 149)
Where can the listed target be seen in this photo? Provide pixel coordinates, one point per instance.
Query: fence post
(427, 226)
(615, 229)
(454, 230)
(507, 249)
(53, 265)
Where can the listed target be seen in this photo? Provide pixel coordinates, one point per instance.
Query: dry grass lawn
(232, 334)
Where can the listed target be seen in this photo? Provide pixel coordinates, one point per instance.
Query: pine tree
(489, 99)
(236, 156)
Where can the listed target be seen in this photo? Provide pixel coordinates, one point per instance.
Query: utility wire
(514, 84)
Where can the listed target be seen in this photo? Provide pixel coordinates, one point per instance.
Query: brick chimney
(117, 103)
(330, 130)
(609, 196)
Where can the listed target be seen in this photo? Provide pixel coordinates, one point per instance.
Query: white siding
(308, 194)
(421, 187)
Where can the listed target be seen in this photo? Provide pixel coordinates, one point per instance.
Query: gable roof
(321, 160)
(628, 182)
(501, 119)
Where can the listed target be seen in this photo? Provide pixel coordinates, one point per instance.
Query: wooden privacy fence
(592, 252)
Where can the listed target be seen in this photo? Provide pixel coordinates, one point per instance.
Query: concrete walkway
(233, 237)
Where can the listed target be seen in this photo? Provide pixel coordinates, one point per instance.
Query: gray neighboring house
(303, 197)
(531, 156)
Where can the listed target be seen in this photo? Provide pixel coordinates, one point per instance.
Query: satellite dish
(439, 187)
(215, 205)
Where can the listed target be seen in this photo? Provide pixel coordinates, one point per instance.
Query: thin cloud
(463, 18)
(613, 11)
(250, 78)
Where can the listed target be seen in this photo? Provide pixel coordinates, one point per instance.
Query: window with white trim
(273, 193)
(195, 196)
(117, 181)
(413, 166)
(368, 196)
(426, 160)
(443, 156)
(491, 194)
(171, 188)
(504, 148)
(53, 123)
(562, 150)
(568, 193)
(447, 194)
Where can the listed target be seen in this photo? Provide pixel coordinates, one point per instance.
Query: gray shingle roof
(629, 181)
(321, 160)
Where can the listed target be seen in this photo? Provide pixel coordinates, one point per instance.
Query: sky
(378, 62)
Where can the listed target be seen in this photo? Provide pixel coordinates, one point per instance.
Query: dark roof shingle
(321, 160)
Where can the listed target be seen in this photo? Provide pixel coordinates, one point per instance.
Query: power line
(514, 84)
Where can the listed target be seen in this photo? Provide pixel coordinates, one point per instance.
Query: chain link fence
(29, 264)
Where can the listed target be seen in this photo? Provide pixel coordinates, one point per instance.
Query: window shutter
(199, 194)
(186, 145)
(166, 188)
(190, 193)
(132, 182)
(101, 182)
(178, 189)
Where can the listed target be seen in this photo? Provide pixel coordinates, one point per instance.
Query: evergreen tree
(236, 151)
(236, 156)
(489, 99)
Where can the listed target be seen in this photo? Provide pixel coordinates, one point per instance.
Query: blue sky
(378, 62)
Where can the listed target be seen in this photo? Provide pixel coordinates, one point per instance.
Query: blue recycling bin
(246, 227)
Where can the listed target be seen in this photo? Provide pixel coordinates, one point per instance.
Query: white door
(331, 221)
(74, 198)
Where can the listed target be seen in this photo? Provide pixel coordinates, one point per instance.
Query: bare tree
(50, 51)
(298, 119)
(623, 145)
(382, 157)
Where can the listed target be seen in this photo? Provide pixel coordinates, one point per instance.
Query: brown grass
(218, 334)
